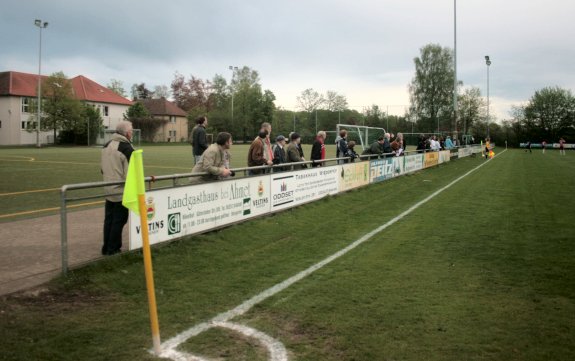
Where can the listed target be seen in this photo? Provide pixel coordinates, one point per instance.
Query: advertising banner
(398, 166)
(290, 189)
(381, 169)
(177, 212)
(353, 175)
(431, 159)
(464, 152)
(413, 163)
(444, 156)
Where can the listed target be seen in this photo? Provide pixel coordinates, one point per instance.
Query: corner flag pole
(135, 199)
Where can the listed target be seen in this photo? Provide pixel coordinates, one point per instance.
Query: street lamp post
(488, 63)
(41, 25)
(233, 69)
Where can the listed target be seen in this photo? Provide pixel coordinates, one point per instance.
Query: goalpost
(361, 134)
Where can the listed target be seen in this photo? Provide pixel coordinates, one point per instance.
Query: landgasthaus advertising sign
(353, 175)
(177, 212)
(290, 189)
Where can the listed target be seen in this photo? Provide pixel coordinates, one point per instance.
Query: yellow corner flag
(134, 198)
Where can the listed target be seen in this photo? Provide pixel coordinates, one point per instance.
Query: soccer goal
(361, 134)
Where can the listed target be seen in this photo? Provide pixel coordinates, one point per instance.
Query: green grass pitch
(483, 271)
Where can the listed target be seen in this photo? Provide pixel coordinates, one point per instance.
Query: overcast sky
(363, 49)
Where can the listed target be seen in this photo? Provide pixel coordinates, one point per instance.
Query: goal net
(360, 134)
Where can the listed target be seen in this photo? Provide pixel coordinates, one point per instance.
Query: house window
(172, 119)
(25, 104)
(106, 110)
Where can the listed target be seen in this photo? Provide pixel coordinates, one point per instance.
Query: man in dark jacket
(199, 140)
(376, 147)
(114, 167)
(318, 149)
(280, 155)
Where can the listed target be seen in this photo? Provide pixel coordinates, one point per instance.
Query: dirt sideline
(30, 250)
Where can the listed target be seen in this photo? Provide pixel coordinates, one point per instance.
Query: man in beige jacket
(114, 166)
(215, 160)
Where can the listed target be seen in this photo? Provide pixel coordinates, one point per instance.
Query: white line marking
(170, 345)
(276, 349)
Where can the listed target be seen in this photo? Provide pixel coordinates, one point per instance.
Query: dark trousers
(116, 217)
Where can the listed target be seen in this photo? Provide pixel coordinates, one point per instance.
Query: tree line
(241, 105)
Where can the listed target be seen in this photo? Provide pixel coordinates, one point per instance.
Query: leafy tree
(139, 91)
(310, 100)
(191, 94)
(471, 109)
(251, 105)
(141, 119)
(61, 110)
(431, 90)
(549, 114)
(117, 86)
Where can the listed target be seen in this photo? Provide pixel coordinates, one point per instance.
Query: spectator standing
(448, 143)
(341, 145)
(561, 146)
(216, 160)
(199, 140)
(421, 144)
(256, 153)
(293, 152)
(280, 155)
(268, 151)
(318, 149)
(544, 145)
(114, 167)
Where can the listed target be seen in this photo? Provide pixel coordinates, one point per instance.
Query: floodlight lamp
(38, 22)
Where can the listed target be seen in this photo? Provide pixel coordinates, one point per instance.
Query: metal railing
(151, 182)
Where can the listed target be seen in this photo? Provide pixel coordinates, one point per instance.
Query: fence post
(63, 230)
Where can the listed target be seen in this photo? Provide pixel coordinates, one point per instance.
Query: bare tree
(310, 100)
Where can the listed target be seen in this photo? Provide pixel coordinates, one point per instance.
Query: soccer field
(30, 178)
(482, 270)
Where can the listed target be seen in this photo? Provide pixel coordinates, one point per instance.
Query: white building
(18, 89)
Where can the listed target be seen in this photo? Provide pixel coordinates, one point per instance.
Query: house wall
(115, 114)
(11, 116)
(180, 126)
(11, 132)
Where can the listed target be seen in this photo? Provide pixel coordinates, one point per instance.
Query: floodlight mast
(41, 25)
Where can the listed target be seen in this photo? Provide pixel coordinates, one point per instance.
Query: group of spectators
(214, 161)
(434, 143)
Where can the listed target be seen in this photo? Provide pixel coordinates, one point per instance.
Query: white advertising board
(290, 189)
(413, 162)
(177, 212)
(444, 156)
(464, 152)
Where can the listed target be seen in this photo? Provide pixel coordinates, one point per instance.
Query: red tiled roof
(162, 107)
(19, 84)
(24, 84)
(89, 90)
